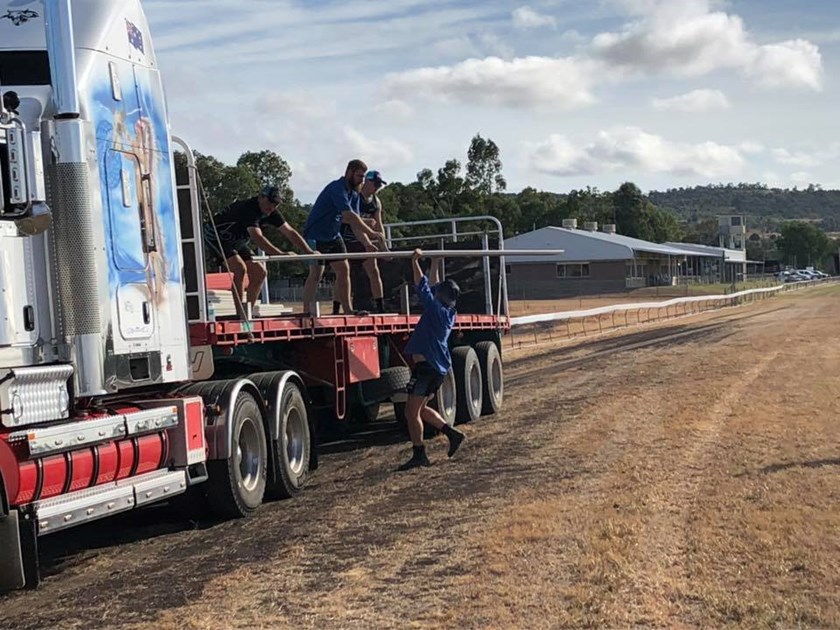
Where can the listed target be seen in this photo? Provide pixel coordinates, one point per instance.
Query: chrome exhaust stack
(73, 236)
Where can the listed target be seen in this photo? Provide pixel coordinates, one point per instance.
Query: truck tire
(293, 447)
(493, 378)
(237, 484)
(445, 400)
(390, 381)
(468, 384)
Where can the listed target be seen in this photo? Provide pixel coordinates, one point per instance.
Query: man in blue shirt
(429, 350)
(337, 204)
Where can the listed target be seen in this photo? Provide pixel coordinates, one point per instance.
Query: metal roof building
(606, 262)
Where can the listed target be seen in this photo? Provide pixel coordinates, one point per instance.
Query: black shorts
(335, 246)
(223, 247)
(425, 381)
(355, 247)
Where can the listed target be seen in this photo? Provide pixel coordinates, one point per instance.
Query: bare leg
(238, 269)
(310, 289)
(413, 412)
(256, 278)
(342, 284)
(372, 270)
(432, 418)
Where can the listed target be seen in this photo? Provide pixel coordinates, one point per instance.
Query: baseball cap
(272, 193)
(376, 177)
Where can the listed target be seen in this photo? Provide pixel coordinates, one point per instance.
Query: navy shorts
(223, 247)
(335, 246)
(425, 380)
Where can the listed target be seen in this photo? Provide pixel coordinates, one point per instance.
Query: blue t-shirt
(324, 220)
(431, 336)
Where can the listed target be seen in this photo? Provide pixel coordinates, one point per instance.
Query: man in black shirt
(239, 226)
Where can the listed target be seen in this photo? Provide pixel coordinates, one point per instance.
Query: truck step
(93, 503)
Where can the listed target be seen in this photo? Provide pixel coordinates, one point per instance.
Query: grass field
(684, 474)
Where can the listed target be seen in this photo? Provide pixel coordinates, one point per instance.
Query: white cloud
(688, 39)
(695, 101)
(297, 103)
(538, 82)
(798, 159)
(750, 147)
(396, 108)
(377, 151)
(525, 18)
(630, 148)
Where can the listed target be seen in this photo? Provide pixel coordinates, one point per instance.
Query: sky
(575, 93)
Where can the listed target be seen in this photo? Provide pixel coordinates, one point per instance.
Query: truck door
(132, 242)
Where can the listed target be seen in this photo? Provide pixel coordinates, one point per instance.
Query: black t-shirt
(367, 210)
(233, 222)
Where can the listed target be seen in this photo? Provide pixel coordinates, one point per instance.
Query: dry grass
(678, 475)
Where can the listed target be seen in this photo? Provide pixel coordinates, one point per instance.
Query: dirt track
(678, 475)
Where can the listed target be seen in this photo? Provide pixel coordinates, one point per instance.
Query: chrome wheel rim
(496, 379)
(248, 456)
(475, 386)
(295, 440)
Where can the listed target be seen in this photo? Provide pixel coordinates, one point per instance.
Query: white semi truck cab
(116, 388)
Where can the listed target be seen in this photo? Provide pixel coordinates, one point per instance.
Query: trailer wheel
(293, 448)
(390, 381)
(445, 401)
(467, 370)
(237, 484)
(493, 378)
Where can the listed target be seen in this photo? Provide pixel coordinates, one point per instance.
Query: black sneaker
(416, 461)
(455, 438)
(361, 313)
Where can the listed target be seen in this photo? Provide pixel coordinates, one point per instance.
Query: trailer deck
(235, 332)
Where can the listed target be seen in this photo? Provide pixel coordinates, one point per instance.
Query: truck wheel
(293, 447)
(493, 380)
(445, 400)
(390, 381)
(468, 381)
(237, 484)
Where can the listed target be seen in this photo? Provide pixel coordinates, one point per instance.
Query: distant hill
(765, 207)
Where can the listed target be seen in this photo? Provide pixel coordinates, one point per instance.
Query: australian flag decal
(135, 36)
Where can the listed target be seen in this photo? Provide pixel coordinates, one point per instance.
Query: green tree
(484, 167)
(802, 244)
(269, 169)
(224, 184)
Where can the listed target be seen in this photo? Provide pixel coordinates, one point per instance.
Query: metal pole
(454, 253)
(488, 299)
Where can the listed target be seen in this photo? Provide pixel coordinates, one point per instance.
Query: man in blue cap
(429, 350)
(239, 226)
(337, 204)
(370, 210)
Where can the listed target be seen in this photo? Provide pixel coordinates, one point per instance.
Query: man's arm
(358, 225)
(259, 239)
(421, 282)
(415, 266)
(296, 239)
(378, 225)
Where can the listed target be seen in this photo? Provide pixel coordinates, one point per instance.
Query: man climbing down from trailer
(236, 228)
(370, 211)
(429, 349)
(337, 204)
